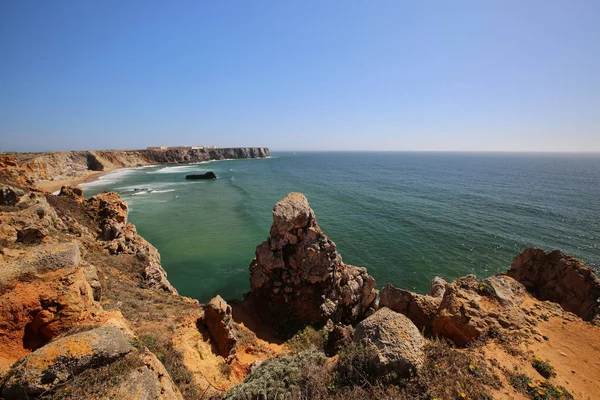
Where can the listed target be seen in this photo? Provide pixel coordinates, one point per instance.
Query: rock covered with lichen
(299, 277)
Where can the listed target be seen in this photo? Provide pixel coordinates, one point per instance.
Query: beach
(87, 177)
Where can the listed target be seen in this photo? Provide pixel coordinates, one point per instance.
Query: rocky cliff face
(67, 164)
(298, 275)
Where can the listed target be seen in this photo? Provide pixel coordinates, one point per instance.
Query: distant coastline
(50, 171)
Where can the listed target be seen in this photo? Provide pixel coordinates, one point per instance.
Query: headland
(52, 170)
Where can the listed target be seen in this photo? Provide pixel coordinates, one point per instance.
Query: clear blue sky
(302, 75)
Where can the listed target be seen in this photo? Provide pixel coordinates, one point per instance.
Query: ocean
(405, 216)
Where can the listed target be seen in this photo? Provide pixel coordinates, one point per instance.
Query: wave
(111, 178)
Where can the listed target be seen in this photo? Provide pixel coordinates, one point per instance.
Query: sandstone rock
(8, 234)
(72, 192)
(10, 196)
(438, 287)
(150, 381)
(63, 358)
(36, 311)
(31, 235)
(299, 277)
(471, 308)
(220, 325)
(421, 310)
(110, 212)
(560, 278)
(397, 341)
(339, 337)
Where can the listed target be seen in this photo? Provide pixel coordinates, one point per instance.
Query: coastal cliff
(68, 164)
(87, 311)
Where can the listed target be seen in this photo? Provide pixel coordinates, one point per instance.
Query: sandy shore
(88, 176)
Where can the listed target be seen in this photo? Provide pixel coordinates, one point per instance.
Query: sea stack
(300, 278)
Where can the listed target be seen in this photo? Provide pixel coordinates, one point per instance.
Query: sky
(494, 75)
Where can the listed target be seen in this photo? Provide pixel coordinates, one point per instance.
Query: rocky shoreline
(87, 311)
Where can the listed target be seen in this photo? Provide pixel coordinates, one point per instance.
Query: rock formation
(58, 361)
(560, 278)
(220, 324)
(396, 341)
(421, 310)
(299, 277)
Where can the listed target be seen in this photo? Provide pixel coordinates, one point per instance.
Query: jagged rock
(8, 234)
(110, 212)
(506, 290)
(438, 287)
(471, 308)
(150, 381)
(339, 336)
(560, 278)
(31, 235)
(220, 325)
(63, 358)
(32, 313)
(421, 310)
(10, 196)
(397, 341)
(299, 277)
(72, 192)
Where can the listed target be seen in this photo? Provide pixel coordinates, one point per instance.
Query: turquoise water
(407, 217)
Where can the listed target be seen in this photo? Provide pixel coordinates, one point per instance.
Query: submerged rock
(560, 278)
(298, 276)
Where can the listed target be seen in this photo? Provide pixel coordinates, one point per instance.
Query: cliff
(68, 164)
(87, 311)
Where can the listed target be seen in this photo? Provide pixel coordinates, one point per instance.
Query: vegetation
(543, 367)
(538, 390)
(308, 339)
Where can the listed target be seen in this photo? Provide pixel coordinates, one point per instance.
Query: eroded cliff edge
(86, 308)
(68, 164)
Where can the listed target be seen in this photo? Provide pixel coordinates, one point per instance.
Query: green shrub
(308, 339)
(299, 376)
(356, 366)
(543, 367)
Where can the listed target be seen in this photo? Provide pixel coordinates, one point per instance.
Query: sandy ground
(88, 176)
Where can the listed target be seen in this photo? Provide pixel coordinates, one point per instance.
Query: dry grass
(95, 383)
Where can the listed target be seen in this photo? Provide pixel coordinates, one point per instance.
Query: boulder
(10, 196)
(150, 381)
(471, 308)
(63, 358)
(398, 344)
(298, 276)
(220, 325)
(560, 278)
(72, 192)
(421, 310)
(31, 235)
